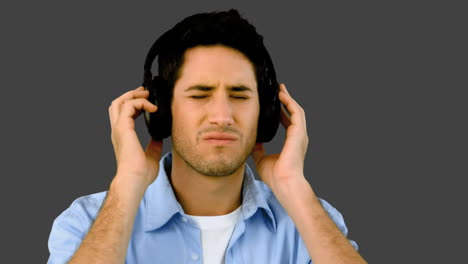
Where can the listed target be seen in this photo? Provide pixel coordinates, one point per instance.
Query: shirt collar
(160, 202)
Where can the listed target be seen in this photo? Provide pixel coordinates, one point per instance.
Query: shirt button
(184, 219)
(194, 256)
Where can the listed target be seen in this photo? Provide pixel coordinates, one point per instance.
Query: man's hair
(220, 27)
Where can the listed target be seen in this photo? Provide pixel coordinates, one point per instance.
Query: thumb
(154, 149)
(258, 152)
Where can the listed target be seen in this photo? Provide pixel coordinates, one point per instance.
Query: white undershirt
(216, 232)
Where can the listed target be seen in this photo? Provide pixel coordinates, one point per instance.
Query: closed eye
(201, 97)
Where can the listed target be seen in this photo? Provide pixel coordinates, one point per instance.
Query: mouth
(220, 141)
(220, 138)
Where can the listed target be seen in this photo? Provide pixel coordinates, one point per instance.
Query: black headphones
(159, 123)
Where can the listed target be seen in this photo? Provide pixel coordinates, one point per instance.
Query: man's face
(218, 75)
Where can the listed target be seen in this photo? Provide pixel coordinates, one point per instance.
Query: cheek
(183, 120)
(256, 115)
(177, 118)
(252, 121)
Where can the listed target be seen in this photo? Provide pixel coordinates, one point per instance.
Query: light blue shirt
(163, 233)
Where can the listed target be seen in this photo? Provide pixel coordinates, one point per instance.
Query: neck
(202, 195)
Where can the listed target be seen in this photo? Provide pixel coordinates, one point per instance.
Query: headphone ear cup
(268, 120)
(159, 123)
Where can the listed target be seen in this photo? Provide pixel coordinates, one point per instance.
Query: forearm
(324, 241)
(107, 240)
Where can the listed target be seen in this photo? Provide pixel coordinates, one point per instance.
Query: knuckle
(129, 93)
(126, 103)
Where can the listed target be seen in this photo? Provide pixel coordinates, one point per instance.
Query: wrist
(291, 185)
(127, 188)
(293, 191)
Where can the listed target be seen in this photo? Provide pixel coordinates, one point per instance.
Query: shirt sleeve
(338, 219)
(68, 230)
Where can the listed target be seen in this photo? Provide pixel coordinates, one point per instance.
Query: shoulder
(281, 215)
(84, 207)
(71, 226)
(285, 223)
(80, 214)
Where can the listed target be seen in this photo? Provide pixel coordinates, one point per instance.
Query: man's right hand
(108, 237)
(134, 166)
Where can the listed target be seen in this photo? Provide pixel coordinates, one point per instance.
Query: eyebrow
(206, 88)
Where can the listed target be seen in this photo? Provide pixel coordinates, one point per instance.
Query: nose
(221, 111)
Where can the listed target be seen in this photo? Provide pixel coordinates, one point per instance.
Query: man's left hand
(276, 170)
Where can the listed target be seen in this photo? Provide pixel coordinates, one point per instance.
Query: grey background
(382, 85)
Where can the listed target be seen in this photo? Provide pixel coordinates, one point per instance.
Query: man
(200, 202)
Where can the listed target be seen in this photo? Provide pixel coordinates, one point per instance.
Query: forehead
(216, 65)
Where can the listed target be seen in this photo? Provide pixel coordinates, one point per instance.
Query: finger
(283, 88)
(130, 110)
(133, 108)
(111, 117)
(116, 105)
(133, 95)
(130, 95)
(297, 113)
(285, 117)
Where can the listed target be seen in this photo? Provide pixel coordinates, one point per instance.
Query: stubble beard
(224, 164)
